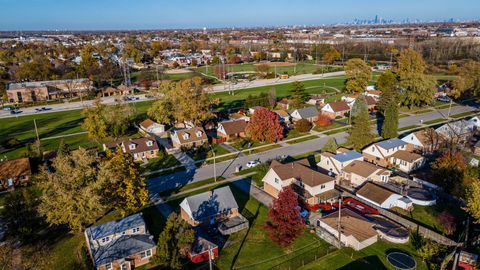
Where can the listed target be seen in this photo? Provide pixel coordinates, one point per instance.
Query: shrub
(323, 120)
(303, 125)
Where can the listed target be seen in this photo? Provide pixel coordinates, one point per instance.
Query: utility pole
(449, 108)
(210, 255)
(339, 223)
(36, 130)
(214, 165)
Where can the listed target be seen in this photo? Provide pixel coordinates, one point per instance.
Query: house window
(373, 149)
(124, 266)
(199, 134)
(152, 152)
(149, 143)
(327, 162)
(105, 239)
(322, 186)
(131, 146)
(136, 230)
(146, 254)
(277, 181)
(108, 266)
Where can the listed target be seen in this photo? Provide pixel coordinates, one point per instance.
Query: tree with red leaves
(284, 223)
(264, 126)
(323, 120)
(447, 221)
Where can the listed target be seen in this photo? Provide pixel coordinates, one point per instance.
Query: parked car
(15, 111)
(444, 99)
(7, 108)
(253, 163)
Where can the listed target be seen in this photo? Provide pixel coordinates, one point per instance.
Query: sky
(163, 14)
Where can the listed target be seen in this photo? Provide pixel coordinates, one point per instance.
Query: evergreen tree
(174, 242)
(361, 130)
(390, 122)
(330, 146)
(298, 94)
(20, 212)
(359, 106)
(123, 186)
(387, 83)
(284, 223)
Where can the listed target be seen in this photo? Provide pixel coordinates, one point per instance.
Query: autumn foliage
(447, 222)
(284, 223)
(264, 126)
(449, 172)
(323, 120)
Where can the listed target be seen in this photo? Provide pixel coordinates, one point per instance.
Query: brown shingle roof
(15, 168)
(234, 127)
(146, 123)
(352, 224)
(370, 101)
(192, 132)
(300, 170)
(339, 106)
(140, 145)
(374, 192)
(362, 168)
(406, 156)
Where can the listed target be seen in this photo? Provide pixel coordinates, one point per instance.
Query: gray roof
(123, 247)
(346, 156)
(308, 112)
(211, 202)
(117, 226)
(391, 143)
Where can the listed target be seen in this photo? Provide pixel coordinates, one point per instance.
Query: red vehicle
(200, 250)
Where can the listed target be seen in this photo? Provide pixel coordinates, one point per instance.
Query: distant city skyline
(157, 14)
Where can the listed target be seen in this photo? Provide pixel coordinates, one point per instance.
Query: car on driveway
(253, 163)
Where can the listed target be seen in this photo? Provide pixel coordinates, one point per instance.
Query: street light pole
(214, 165)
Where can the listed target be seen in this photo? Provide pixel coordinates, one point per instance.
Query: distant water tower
(205, 30)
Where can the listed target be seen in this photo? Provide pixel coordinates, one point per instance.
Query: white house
(425, 140)
(334, 163)
(382, 197)
(358, 172)
(475, 121)
(312, 186)
(357, 232)
(150, 127)
(406, 161)
(457, 131)
(379, 152)
(336, 109)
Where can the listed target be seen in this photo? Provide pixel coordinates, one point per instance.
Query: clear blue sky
(155, 14)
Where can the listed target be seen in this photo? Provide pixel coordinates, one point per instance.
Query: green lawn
(434, 121)
(422, 111)
(408, 127)
(163, 161)
(325, 128)
(193, 186)
(308, 138)
(263, 149)
(428, 215)
(369, 258)
(283, 90)
(260, 172)
(293, 133)
(345, 129)
(461, 115)
(301, 68)
(205, 152)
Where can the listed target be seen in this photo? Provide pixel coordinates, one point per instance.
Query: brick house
(312, 186)
(14, 173)
(140, 148)
(336, 109)
(231, 129)
(120, 244)
(189, 138)
(149, 126)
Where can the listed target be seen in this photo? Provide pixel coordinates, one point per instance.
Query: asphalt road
(227, 168)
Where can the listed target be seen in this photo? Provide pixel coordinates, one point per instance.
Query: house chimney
(210, 193)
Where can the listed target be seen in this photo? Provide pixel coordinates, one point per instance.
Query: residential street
(227, 168)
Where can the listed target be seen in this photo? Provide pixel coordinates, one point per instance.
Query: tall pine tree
(298, 94)
(361, 131)
(390, 122)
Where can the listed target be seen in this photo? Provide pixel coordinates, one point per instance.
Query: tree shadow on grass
(365, 263)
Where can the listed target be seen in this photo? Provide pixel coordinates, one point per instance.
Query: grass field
(308, 138)
(408, 127)
(434, 121)
(461, 115)
(369, 258)
(301, 68)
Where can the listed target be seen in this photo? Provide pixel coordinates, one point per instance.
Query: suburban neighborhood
(342, 145)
